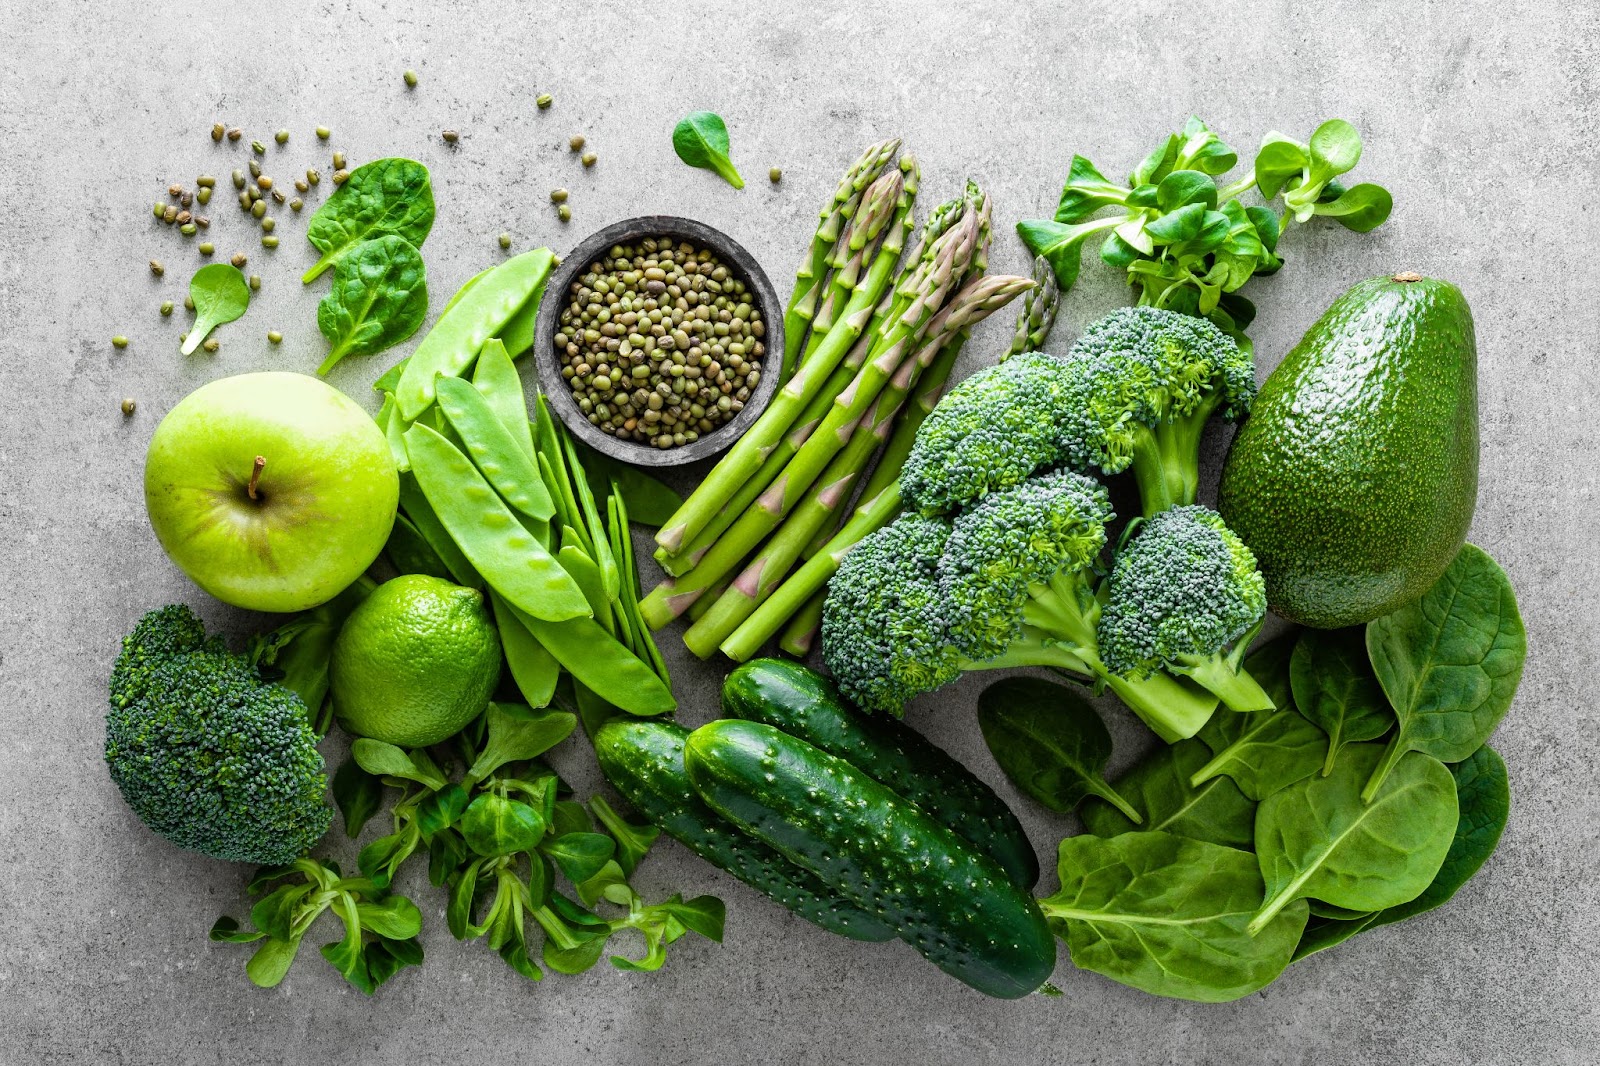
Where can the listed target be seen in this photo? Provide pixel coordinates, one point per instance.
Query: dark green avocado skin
(1355, 478)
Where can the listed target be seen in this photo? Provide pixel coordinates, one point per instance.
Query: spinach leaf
(701, 140)
(1334, 687)
(382, 197)
(1263, 751)
(1270, 663)
(220, 295)
(1484, 797)
(1319, 839)
(1324, 933)
(296, 655)
(358, 795)
(1168, 915)
(1450, 662)
(379, 298)
(1158, 789)
(1050, 742)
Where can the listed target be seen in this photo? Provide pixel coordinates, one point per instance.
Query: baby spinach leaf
(220, 295)
(358, 795)
(1269, 664)
(1483, 795)
(1168, 915)
(379, 298)
(701, 140)
(1324, 933)
(1319, 839)
(1050, 742)
(1334, 687)
(1450, 662)
(382, 197)
(1159, 790)
(1263, 751)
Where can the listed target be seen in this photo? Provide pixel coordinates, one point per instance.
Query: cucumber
(804, 704)
(951, 902)
(643, 759)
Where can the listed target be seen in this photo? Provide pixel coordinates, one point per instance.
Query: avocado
(1355, 477)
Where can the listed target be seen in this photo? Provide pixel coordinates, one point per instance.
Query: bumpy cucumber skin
(643, 759)
(804, 704)
(950, 901)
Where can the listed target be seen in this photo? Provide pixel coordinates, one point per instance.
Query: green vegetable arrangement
(1179, 229)
(370, 232)
(869, 340)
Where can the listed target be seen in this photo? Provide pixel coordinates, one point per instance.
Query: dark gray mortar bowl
(734, 256)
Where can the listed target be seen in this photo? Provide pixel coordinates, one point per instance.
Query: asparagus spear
(1038, 311)
(891, 192)
(764, 573)
(808, 279)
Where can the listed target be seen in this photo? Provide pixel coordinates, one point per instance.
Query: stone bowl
(736, 258)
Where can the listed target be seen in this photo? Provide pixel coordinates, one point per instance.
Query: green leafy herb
(1334, 687)
(297, 653)
(1159, 790)
(1450, 662)
(1168, 915)
(1318, 839)
(379, 298)
(1182, 235)
(220, 295)
(701, 140)
(1263, 751)
(385, 196)
(1050, 742)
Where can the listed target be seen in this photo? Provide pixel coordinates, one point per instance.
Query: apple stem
(255, 475)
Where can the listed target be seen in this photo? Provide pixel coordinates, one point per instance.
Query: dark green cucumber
(643, 759)
(878, 850)
(804, 704)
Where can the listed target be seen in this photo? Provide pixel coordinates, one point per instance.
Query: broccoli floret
(1011, 581)
(208, 754)
(883, 622)
(1185, 597)
(993, 430)
(1157, 377)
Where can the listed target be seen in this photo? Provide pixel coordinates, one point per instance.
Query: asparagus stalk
(839, 210)
(890, 193)
(766, 571)
(951, 253)
(1038, 311)
(800, 635)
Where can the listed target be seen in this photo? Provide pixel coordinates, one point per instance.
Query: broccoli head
(1011, 581)
(1185, 597)
(208, 754)
(1157, 377)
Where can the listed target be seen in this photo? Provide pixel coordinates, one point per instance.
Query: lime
(416, 662)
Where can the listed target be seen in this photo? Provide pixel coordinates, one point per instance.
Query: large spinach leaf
(1263, 751)
(1318, 839)
(379, 298)
(382, 197)
(1049, 741)
(1334, 687)
(1450, 662)
(1158, 789)
(1167, 915)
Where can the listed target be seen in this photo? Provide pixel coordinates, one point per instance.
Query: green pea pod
(561, 487)
(454, 341)
(533, 668)
(510, 558)
(594, 524)
(417, 508)
(394, 428)
(600, 662)
(495, 375)
(493, 449)
(517, 333)
(628, 601)
(586, 573)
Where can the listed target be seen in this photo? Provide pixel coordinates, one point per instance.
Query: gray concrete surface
(1480, 117)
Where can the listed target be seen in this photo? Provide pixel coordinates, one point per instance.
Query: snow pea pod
(586, 573)
(454, 341)
(432, 531)
(494, 451)
(595, 658)
(495, 375)
(533, 668)
(510, 558)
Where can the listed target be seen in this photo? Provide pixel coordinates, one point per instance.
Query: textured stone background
(1479, 116)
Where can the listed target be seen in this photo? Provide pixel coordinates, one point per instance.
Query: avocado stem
(1406, 276)
(255, 475)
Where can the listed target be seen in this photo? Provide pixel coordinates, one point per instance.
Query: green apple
(272, 491)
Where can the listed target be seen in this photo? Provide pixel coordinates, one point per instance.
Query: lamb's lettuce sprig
(1179, 229)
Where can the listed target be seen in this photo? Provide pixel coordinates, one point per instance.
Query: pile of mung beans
(660, 342)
